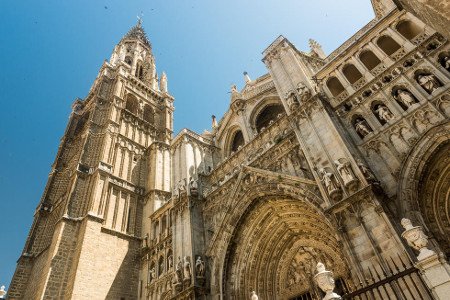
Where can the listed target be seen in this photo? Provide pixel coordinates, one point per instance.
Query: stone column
(434, 269)
(347, 85)
(381, 55)
(400, 39)
(362, 68)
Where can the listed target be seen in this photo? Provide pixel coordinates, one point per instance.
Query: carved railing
(402, 282)
(378, 69)
(359, 83)
(398, 54)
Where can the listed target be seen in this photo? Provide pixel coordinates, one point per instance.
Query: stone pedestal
(436, 274)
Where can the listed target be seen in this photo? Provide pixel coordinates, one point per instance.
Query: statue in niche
(429, 82)
(365, 170)
(345, 171)
(328, 181)
(141, 107)
(405, 97)
(181, 186)
(152, 274)
(199, 267)
(445, 62)
(179, 271)
(170, 260)
(187, 268)
(254, 296)
(362, 128)
(384, 114)
(145, 242)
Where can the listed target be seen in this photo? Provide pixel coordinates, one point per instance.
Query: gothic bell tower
(89, 225)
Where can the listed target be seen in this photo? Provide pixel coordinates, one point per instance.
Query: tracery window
(237, 141)
(268, 115)
(132, 104)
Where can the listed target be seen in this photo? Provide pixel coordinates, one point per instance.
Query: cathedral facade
(326, 167)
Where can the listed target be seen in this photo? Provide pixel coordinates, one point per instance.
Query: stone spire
(316, 48)
(137, 33)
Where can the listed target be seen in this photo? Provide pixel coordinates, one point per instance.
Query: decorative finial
(139, 17)
(246, 77)
(214, 121)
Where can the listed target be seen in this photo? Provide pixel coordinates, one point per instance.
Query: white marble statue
(429, 82)
(254, 296)
(384, 113)
(2, 292)
(187, 268)
(405, 97)
(327, 179)
(152, 274)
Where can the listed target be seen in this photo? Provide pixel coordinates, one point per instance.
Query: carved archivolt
(272, 230)
(424, 184)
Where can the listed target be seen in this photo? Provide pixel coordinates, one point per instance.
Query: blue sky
(51, 52)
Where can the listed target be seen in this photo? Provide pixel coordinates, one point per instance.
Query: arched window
(128, 60)
(237, 141)
(139, 73)
(148, 115)
(335, 86)
(268, 115)
(351, 73)
(132, 104)
(388, 45)
(408, 29)
(369, 59)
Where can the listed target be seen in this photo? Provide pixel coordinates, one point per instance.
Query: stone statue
(345, 171)
(365, 170)
(193, 186)
(178, 271)
(384, 113)
(254, 296)
(405, 97)
(416, 238)
(141, 107)
(170, 260)
(429, 82)
(292, 101)
(2, 292)
(447, 63)
(181, 186)
(325, 282)
(152, 274)
(199, 267)
(328, 181)
(145, 244)
(187, 268)
(362, 127)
